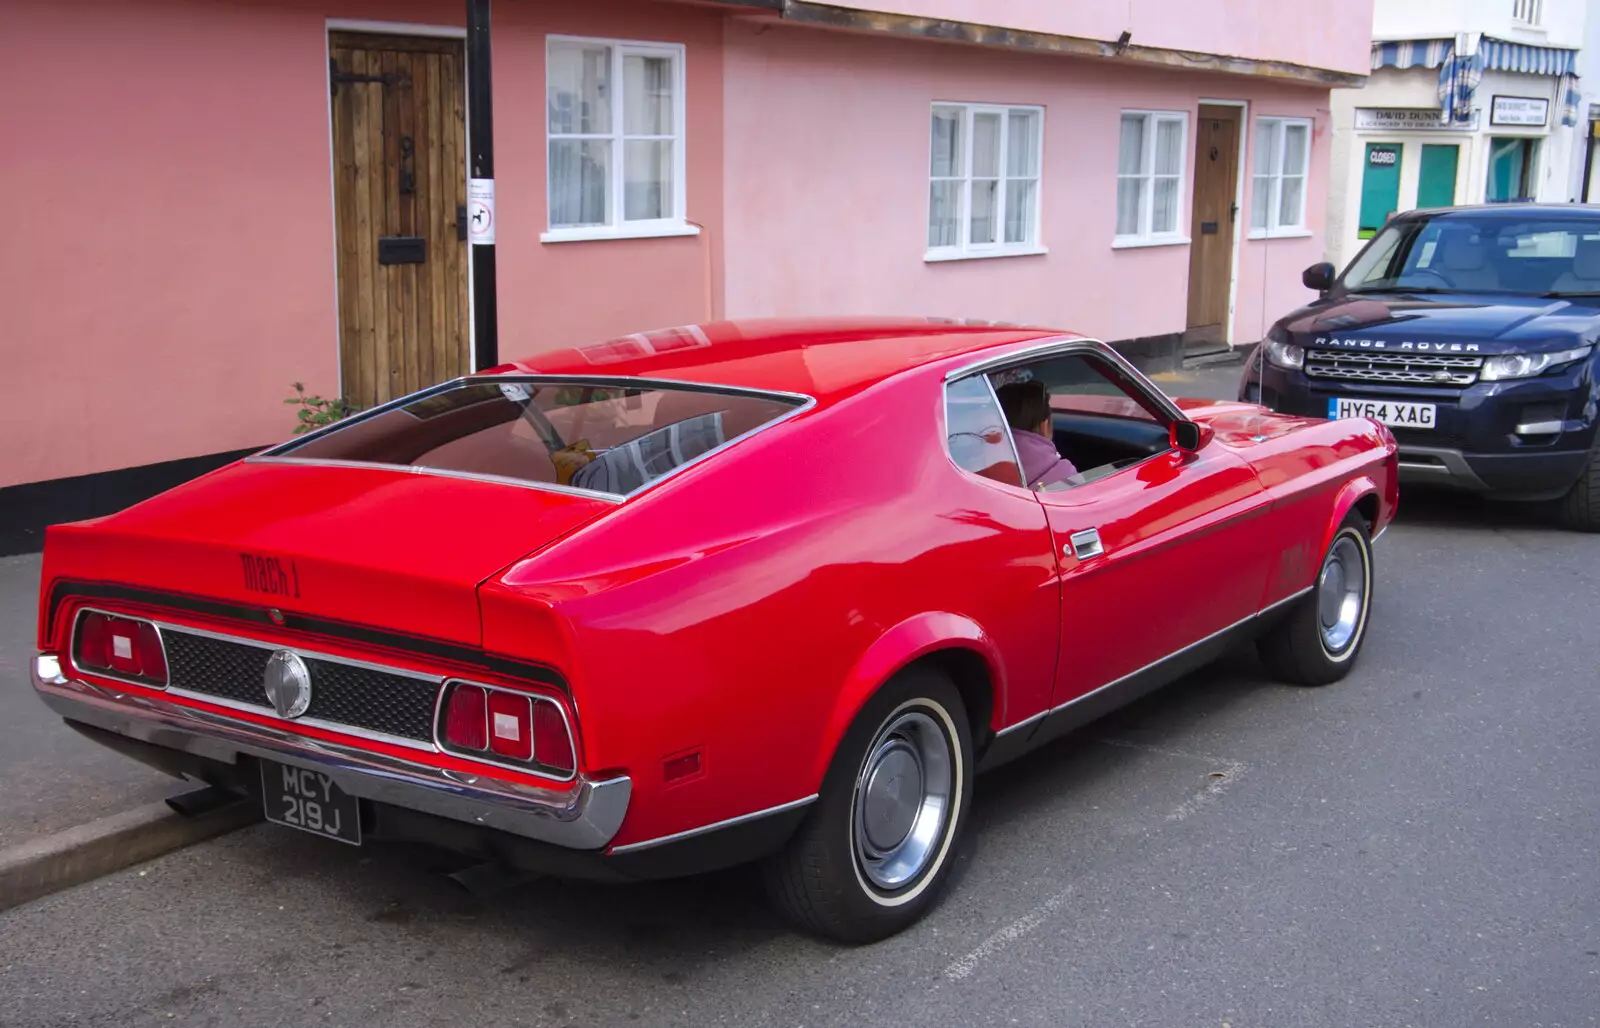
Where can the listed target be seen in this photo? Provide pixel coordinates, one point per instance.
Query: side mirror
(1188, 436)
(1319, 277)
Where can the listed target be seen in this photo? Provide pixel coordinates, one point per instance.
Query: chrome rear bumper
(584, 816)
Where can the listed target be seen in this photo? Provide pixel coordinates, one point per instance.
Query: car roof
(1503, 210)
(824, 358)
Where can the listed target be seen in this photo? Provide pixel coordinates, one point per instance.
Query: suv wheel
(1580, 508)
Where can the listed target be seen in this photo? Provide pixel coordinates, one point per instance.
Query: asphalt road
(1415, 846)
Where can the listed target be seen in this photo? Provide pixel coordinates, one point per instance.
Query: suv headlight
(1526, 365)
(1285, 355)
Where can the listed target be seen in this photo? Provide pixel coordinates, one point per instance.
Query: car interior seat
(1585, 273)
(1463, 260)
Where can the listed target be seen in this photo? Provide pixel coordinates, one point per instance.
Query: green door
(1380, 187)
(1436, 183)
(1511, 168)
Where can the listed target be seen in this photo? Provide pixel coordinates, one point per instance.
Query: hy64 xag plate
(1387, 412)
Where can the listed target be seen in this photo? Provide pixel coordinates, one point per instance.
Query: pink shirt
(1041, 464)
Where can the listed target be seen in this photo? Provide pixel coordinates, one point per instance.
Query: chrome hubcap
(1341, 592)
(902, 801)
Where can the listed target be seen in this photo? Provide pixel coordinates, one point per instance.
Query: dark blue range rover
(1472, 333)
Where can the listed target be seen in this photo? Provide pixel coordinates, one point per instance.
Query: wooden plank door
(399, 149)
(1216, 185)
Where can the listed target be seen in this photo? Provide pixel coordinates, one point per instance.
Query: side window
(1077, 385)
(976, 432)
(1075, 419)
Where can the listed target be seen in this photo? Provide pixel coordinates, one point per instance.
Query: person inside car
(1027, 410)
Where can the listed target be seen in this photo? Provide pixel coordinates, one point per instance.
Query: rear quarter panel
(748, 607)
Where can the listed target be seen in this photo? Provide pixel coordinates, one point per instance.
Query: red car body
(710, 638)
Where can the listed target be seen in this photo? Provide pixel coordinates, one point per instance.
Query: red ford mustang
(744, 591)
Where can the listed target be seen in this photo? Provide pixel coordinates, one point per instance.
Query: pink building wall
(168, 262)
(1335, 36)
(827, 175)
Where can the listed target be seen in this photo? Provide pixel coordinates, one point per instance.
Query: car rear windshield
(609, 437)
(1489, 253)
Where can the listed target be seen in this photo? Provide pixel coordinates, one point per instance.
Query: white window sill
(1280, 233)
(594, 232)
(936, 256)
(1136, 242)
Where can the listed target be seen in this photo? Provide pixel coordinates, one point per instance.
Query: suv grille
(341, 694)
(1436, 369)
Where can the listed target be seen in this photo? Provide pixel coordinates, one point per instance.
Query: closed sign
(1383, 158)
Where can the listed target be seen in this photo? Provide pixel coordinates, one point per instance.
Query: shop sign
(1390, 119)
(1526, 111)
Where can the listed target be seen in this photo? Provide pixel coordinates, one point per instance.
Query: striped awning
(1500, 55)
(1411, 53)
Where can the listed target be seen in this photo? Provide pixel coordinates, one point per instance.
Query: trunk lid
(375, 546)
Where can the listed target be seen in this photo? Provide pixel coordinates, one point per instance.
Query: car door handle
(1086, 544)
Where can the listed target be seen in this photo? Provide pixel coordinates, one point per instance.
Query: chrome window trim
(1060, 347)
(949, 458)
(1154, 663)
(1011, 437)
(108, 673)
(470, 476)
(487, 757)
(634, 847)
(802, 404)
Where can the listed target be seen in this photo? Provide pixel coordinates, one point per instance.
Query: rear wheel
(876, 846)
(1318, 639)
(1580, 508)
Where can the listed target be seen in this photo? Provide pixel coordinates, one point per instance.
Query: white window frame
(618, 228)
(1276, 228)
(966, 249)
(1145, 236)
(1529, 13)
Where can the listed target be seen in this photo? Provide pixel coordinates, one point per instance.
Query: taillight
(511, 725)
(507, 726)
(550, 739)
(121, 647)
(465, 721)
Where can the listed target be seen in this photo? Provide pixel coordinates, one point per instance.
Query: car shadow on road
(675, 929)
(1163, 721)
(1441, 508)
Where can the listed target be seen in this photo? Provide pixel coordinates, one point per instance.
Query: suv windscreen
(606, 437)
(1460, 253)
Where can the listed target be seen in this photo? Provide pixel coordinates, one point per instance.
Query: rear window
(610, 437)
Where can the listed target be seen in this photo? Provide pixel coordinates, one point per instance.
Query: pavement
(1413, 846)
(53, 778)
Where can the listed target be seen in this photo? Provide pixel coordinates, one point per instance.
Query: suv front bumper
(1481, 441)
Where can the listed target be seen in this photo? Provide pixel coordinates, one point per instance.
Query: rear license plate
(309, 801)
(1388, 412)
